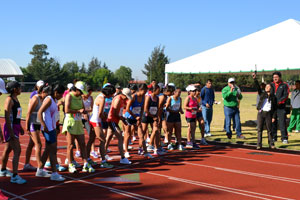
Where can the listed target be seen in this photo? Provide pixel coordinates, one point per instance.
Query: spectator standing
(208, 98)
(266, 107)
(281, 91)
(295, 115)
(231, 95)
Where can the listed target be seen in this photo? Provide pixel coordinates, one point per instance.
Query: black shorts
(189, 120)
(131, 121)
(104, 125)
(113, 126)
(147, 120)
(173, 117)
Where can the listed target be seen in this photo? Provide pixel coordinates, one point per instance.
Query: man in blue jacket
(208, 98)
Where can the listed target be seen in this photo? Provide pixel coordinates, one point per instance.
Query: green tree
(99, 77)
(93, 66)
(69, 69)
(123, 75)
(155, 67)
(42, 67)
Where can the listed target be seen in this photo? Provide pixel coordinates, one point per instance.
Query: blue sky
(125, 32)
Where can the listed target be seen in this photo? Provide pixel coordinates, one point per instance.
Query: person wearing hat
(36, 88)
(12, 130)
(232, 95)
(72, 126)
(115, 115)
(191, 106)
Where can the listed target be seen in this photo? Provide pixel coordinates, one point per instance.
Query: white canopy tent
(9, 68)
(274, 48)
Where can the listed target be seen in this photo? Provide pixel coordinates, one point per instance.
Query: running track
(214, 172)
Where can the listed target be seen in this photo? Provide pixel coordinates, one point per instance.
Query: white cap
(127, 93)
(39, 83)
(70, 85)
(231, 80)
(171, 84)
(2, 86)
(80, 85)
(190, 88)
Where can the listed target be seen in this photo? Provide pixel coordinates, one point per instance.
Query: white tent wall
(274, 48)
(9, 68)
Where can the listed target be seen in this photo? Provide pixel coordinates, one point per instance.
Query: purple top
(33, 93)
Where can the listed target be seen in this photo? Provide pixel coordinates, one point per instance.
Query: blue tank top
(135, 108)
(175, 105)
(107, 104)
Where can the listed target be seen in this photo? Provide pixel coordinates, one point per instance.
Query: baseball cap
(2, 86)
(127, 93)
(231, 80)
(171, 84)
(190, 88)
(106, 84)
(70, 85)
(12, 85)
(80, 85)
(40, 83)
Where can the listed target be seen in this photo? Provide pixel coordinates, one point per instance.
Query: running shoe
(285, 142)
(72, 169)
(133, 138)
(47, 165)
(170, 147)
(107, 157)
(148, 140)
(106, 165)
(94, 154)
(240, 137)
(166, 141)
(196, 146)
(60, 168)
(189, 145)
(127, 155)
(91, 162)
(56, 177)
(42, 173)
(148, 155)
(125, 161)
(29, 168)
(88, 168)
(66, 161)
(6, 173)
(77, 154)
(203, 141)
(17, 179)
(180, 147)
(77, 165)
(140, 151)
(150, 148)
(207, 134)
(130, 147)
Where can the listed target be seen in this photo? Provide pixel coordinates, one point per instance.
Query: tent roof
(274, 48)
(8, 68)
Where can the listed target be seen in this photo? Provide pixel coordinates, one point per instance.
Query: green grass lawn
(247, 110)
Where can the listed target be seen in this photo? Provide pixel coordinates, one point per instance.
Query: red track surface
(214, 172)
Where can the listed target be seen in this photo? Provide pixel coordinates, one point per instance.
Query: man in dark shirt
(281, 90)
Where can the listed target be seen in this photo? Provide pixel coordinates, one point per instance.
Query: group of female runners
(136, 107)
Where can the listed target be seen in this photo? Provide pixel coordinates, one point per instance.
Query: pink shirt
(193, 103)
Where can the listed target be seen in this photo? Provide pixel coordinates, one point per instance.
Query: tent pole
(166, 78)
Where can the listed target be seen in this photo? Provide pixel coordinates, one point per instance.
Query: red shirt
(111, 116)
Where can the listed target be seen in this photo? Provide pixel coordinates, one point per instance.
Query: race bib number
(19, 113)
(194, 112)
(153, 110)
(77, 116)
(136, 110)
(175, 107)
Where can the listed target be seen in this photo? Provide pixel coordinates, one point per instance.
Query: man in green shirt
(232, 95)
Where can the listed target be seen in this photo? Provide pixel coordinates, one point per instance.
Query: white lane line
(279, 178)
(254, 160)
(122, 192)
(12, 194)
(217, 187)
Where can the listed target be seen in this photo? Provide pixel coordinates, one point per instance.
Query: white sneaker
(125, 161)
(285, 142)
(180, 147)
(66, 161)
(166, 141)
(130, 147)
(94, 154)
(56, 177)
(77, 154)
(17, 179)
(72, 169)
(148, 140)
(148, 155)
(88, 168)
(42, 173)
(29, 168)
(150, 148)
(108, 158)
(170, 147)
(133, 138)
(126, 154)
(207, 134)
(6, 173)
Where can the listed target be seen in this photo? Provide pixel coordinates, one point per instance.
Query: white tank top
(95, 113)
(49, 115)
